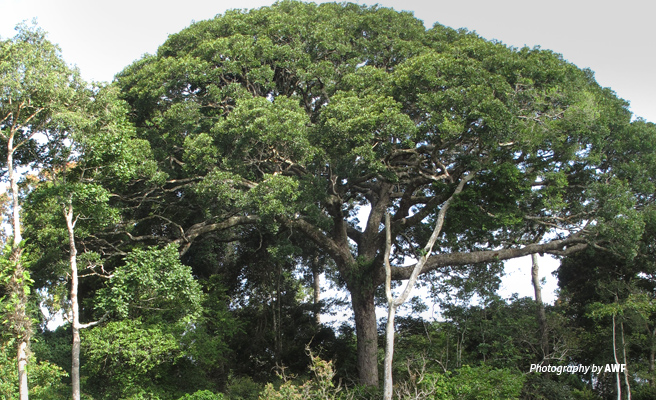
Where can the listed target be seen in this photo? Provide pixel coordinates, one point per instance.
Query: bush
(243, 388)
(202, 395)
(321, 387)
(469, 383)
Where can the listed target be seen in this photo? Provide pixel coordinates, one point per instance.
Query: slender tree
(96, 147)
(38, 91)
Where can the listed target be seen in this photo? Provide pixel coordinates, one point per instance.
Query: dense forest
(194, 221)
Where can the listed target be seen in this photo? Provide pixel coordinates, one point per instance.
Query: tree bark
(75, 309)
(394, 303)
(541, 313)
(652, 355)
(626, 364)
(366, 329)
(316, 286)
(617, 375)
(388, 386)
(21, 322)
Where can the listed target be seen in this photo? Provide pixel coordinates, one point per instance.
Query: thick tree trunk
(367, 336)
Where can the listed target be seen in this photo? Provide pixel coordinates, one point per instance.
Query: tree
(38, 91)
(154, 302)
(307, 117)
(94, 147)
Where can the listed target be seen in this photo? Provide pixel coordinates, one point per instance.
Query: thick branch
(559, 247)
(330, 246)
(201, 228)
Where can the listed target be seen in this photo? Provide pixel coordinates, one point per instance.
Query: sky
(613, 39)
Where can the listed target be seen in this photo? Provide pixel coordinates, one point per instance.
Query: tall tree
(308, 117)
(38, 91)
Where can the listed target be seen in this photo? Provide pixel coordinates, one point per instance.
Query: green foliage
(298, 116)
(124, 358)
(243, 388)
(155, 303)
(153, 285)
(475, 383)
(202, 395)
(45, 378)
(39, 90)
(320, 387)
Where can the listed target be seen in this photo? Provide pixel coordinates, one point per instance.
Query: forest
(198, 225)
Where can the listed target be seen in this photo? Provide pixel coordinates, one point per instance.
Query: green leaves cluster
(152, 285)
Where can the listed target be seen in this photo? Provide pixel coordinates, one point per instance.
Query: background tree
(97, 146)
(39, 90)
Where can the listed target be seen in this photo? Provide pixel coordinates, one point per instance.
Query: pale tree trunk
(392, 303)
(21, 321)
(652, 355)
(626, 364)
(617, 377)
(316, 286)
(541, 313)
(75, 309)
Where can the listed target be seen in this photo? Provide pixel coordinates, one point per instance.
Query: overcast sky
(614, 39)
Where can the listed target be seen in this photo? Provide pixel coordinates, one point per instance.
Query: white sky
(614, 39)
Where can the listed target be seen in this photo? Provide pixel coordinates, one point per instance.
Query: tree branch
(567, 246)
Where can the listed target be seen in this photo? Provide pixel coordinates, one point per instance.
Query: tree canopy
(311, 117)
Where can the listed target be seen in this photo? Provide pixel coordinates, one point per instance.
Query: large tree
(319, 119)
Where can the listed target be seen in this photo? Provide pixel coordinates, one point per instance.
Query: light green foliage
(475, 383)
(125, 351)
(39, 90)
(153, 285)
(268, 131)
(105, 144)
(320, 387)
(154, 303)
(362, 132)
(202, 395)
(45, 377)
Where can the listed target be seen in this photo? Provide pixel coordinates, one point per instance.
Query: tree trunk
(617, 375)
(75, 309)
(389, 352)
(364, 311)
(541, 313)
(626, 364)
(652, 356)
(316, 285)
(21, 322)
(22, 370)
